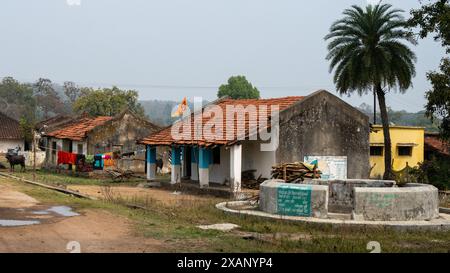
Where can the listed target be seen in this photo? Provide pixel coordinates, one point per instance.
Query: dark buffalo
(16, 160)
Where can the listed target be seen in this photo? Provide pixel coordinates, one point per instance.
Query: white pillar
(235, 167)
(176, 166)
(151, 163)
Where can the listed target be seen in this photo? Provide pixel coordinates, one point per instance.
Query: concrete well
(412, 202)
(281, 198)
(359, 200)
(341, 192)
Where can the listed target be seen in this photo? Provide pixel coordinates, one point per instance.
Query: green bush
(435, 172)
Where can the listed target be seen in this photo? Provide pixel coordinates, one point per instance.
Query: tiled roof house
(435, 145)
(79, 129)
(11, 135)
(92, 135)
(318, 124)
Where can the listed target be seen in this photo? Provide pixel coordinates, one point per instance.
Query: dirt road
(95, 230)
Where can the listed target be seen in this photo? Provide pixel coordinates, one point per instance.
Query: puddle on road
(41, 212)
(29, 216)
(63, 211)
(16, 223)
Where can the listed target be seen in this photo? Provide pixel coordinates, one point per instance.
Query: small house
(98, 135)
(407, 148)
(435, 147)
(320, 127)
(11, 135)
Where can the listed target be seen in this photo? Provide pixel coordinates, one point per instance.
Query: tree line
(32, 102)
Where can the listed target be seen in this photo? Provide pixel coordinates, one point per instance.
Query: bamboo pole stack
(293, 172)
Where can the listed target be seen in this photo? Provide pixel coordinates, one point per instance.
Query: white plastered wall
(6, 144)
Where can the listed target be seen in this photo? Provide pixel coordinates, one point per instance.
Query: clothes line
(57, 150)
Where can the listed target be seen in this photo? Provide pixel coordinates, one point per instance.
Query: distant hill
(402, 118)
(159, 112)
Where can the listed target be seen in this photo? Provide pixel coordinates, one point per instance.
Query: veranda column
(203, 167)
(176, 165)
(235, 167)
(194, 163)
(151, 162)
(183, 161)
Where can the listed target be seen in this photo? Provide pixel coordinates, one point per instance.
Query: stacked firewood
(295, 172)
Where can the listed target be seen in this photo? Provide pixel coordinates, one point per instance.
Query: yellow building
(407, 148)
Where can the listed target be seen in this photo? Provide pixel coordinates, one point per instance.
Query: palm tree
(367, 54)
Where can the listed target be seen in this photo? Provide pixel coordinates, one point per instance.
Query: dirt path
(10, 198)
(164, 196)
(95, 230)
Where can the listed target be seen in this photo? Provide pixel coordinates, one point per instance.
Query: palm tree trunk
(388, 174)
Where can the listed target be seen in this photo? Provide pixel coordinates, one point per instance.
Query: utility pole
(34, 149)
(34, 154)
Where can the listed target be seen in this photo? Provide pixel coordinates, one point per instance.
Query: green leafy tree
(238, 88)
(107, 102)
(26, 126)
(367, 53)
(438, 97)
(19, 103)
(434, 18)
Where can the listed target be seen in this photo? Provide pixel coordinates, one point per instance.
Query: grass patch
(175, 223)
(56, 179)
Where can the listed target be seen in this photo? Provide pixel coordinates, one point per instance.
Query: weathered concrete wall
(274, 194)
(414, 202)
(51, 154)
(324, 125)
(123, 131)
(341, 192)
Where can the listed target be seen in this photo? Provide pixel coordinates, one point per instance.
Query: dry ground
(95, 229)
(130, 193)
(168, 223)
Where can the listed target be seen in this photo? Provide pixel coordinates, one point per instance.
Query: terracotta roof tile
(9, 128)
(433, 142)
(78, 129)
(164, 137)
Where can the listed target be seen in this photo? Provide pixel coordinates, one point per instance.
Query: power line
(169, 86)
(176, 86)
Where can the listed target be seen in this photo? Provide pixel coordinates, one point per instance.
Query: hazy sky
(169, 49)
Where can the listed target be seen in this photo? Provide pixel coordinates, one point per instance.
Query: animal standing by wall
(15, 160)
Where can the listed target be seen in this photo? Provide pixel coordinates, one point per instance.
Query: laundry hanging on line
(66, 158)
(98, 162)
(108, 160)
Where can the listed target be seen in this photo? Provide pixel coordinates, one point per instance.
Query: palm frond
(365, 49)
